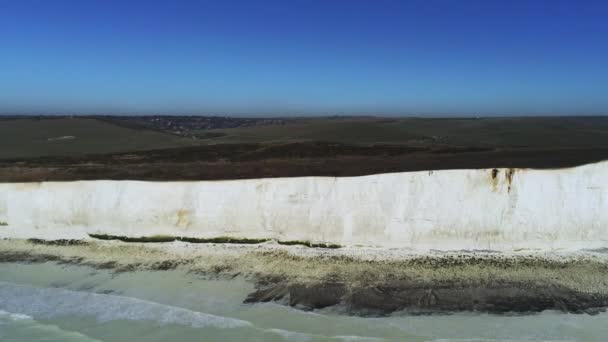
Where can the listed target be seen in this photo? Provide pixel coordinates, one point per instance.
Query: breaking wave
(23, 327)
(20, 300)
(24, 303)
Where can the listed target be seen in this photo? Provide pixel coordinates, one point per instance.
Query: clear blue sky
(449, 57)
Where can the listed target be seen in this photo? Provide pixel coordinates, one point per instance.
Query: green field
(568, 132)
(23, 138)
(34, 137)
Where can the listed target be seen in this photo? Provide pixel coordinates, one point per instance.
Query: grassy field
(65, 149)
(486, 132)
(32, 137)
(24, 138)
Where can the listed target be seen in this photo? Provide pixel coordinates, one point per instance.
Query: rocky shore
(358, 281)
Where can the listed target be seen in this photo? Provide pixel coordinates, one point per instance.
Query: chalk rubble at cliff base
(358, 280)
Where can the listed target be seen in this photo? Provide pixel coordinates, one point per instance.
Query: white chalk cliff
(503, 209)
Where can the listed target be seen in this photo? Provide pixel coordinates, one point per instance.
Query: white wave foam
(28, 329)
(359, 338)
(51, 302)
(292, 336)
(303, 337)
(489, 340)
(13, 316)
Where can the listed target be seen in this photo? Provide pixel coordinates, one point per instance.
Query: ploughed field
(210, 148)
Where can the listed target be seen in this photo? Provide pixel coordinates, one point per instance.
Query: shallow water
(74, 303)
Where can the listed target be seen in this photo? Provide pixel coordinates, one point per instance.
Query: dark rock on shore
(423, 285)
(303, 296)
(384, 299)
(59, 242)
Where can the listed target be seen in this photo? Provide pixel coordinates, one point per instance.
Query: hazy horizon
(306, 115)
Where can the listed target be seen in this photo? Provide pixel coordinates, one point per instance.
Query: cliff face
(499, 209)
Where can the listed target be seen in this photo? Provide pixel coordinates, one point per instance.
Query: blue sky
(427, 57)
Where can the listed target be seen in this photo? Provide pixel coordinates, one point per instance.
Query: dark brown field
(195, 148)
